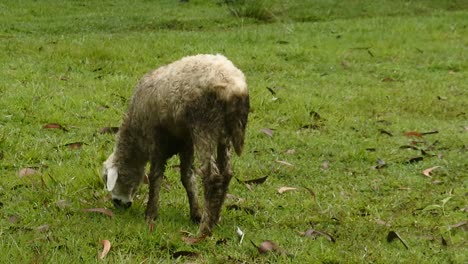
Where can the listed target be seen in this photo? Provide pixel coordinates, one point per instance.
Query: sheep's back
(163, 95)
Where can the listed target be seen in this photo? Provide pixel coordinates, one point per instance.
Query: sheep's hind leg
(155, 178)
(215, 185)
(190, 184)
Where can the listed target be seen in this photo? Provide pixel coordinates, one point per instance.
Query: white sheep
(198, 104)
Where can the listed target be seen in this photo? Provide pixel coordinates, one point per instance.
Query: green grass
(363, 66)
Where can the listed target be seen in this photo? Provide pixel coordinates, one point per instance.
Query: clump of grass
(261, 10)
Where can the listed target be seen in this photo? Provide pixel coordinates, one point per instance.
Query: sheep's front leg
(216, 178)
(155, 178)
(190, 184)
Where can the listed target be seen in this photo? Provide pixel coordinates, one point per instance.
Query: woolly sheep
(198, 104)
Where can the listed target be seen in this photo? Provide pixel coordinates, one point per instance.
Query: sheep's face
(122, 192)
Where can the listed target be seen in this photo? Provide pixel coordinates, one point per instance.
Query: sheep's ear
(112, 175)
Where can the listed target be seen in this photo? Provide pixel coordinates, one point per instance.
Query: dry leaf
(267, 132)
(74, 145)
(427, 172)
(284, 162)
(236, 207)
(43, 228)
(184, 253)
(312, 193)
(462, 224)
(254, 181)
(325, 165)
(270, 246)
(414, 160)
(54, 126)
(106, 248)
(26, 172)
(100, 210)
(413, 134)
(193, 240)
(392, 235)
(314, 233)
(285, 189)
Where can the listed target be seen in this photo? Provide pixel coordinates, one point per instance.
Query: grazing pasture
(355, 152)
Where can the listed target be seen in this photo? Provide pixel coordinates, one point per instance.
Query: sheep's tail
(236, 120)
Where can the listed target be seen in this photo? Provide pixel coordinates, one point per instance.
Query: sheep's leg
(155, 178)
(216, 178)
(190, 183)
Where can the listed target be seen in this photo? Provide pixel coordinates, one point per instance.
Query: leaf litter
(315, 233)
(99, 210)
(106, 246)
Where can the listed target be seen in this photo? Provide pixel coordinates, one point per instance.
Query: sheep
(196, 105)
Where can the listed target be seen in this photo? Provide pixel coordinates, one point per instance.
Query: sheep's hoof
(196, 217)
(150, 215)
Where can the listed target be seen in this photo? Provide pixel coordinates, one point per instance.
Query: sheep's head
(119, 184)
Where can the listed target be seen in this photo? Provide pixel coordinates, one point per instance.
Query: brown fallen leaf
(193, 240)
(392, 235)
(24, 172)
(311, 192)
(106, 248)
(270, 246)
(74, 145)
(427, 172)
(236, 207)
(54, 126)
(286, 189)
(108, 130)
(462, 224)
(254, 181)
(413, 134)
(284, 162)
(314, 233)
(414, 160)
(99, 210)
(43, 228)
(267, 132)
(184, 253)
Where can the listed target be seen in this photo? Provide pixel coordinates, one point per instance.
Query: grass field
(343, 94)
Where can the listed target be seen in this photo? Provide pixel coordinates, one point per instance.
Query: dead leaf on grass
(193, 240)
(284, 189)
(414, 160)
(13, 219)
(314, 233)
(254, 181)
(284, 163)
(427, 172)
(267, 132)
(24, 172)
(382, 222)
(419, 134)
(106, 246)
(311, 192)
(385, 132)
(184, 253)
(270, 246)
(463, 225)
(380, 164)
(413, 134)
(54, 126)
(43, 228)
(75, 145)
(99, 210)
(392, 235)
(236, 207)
